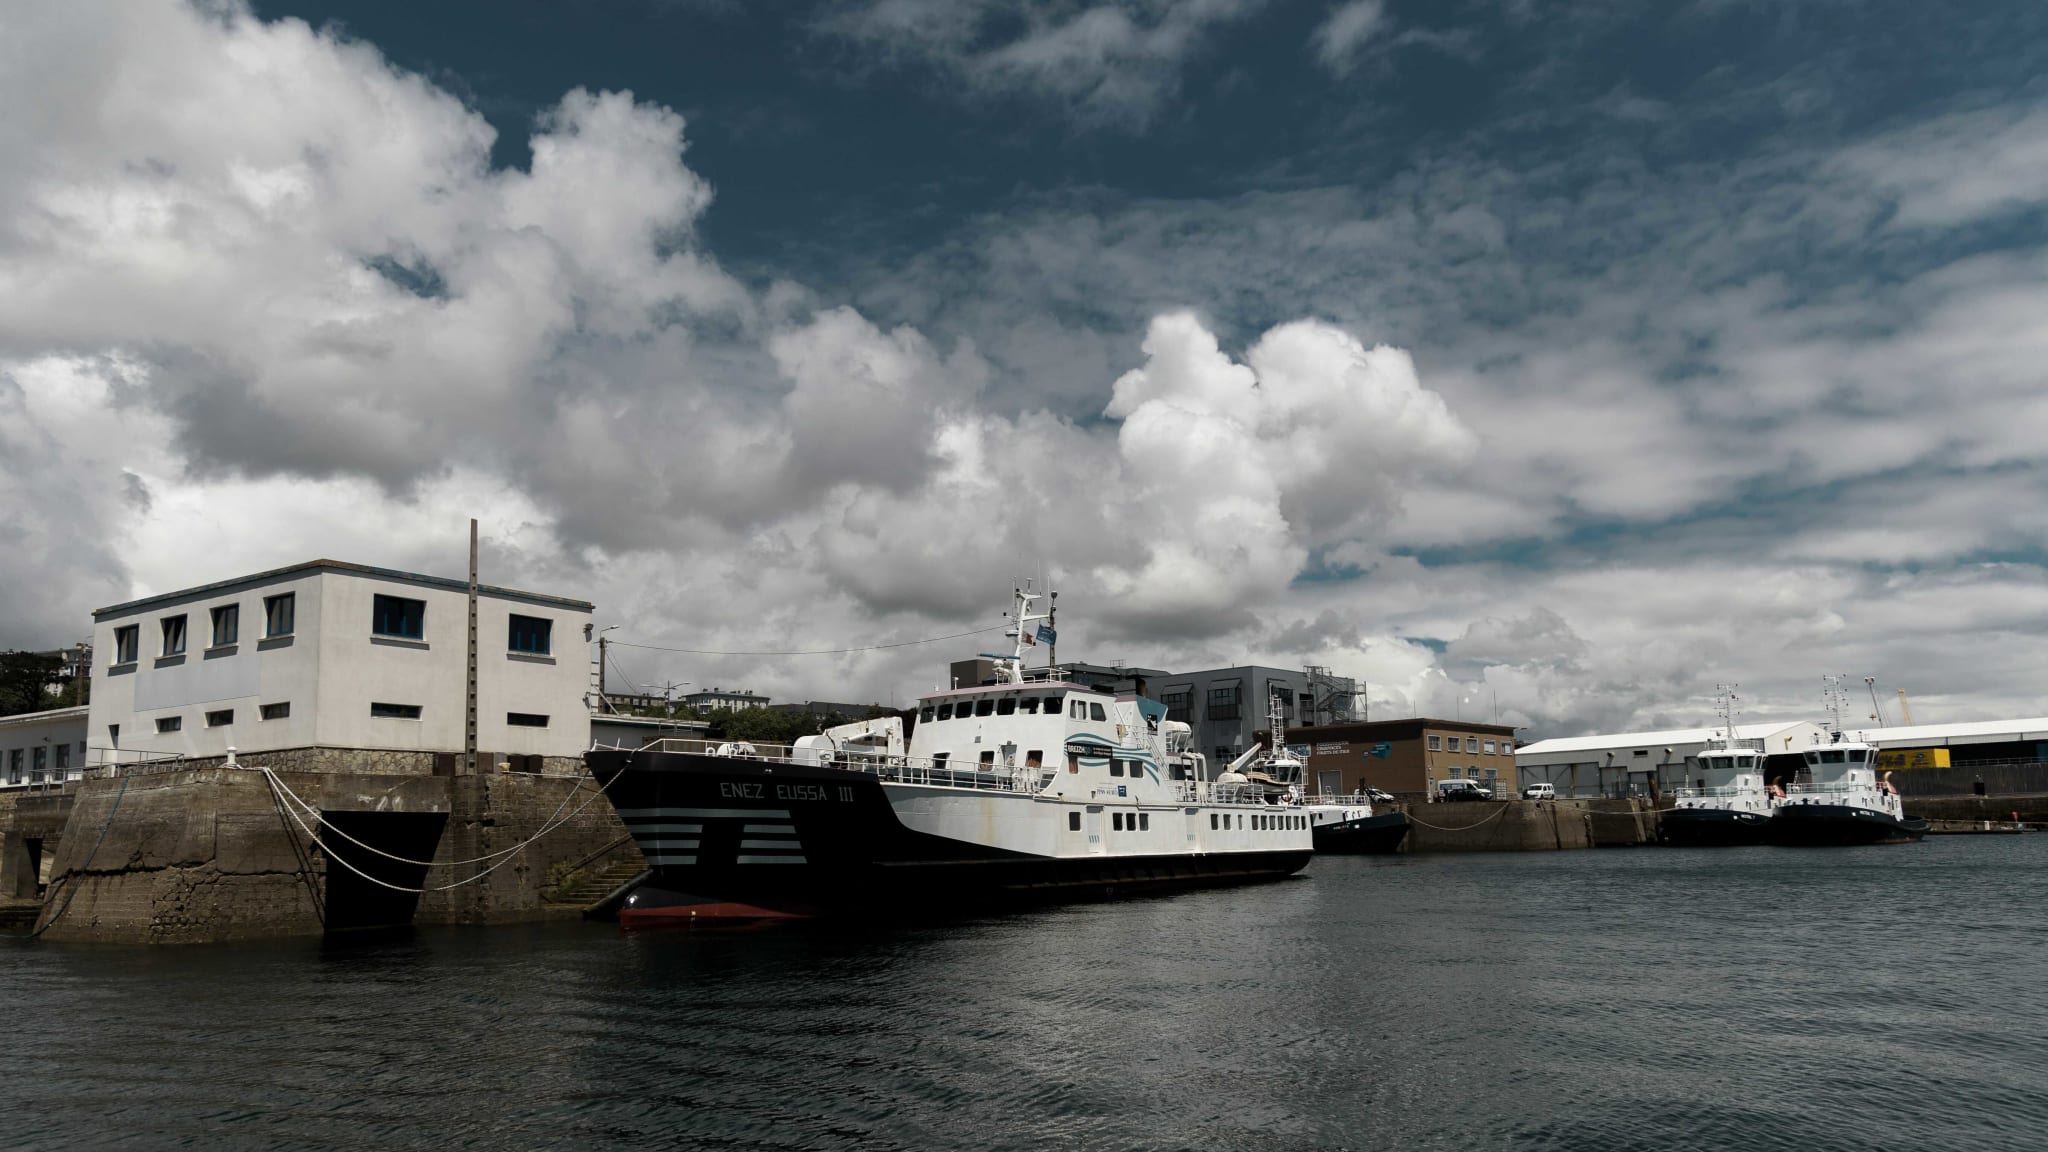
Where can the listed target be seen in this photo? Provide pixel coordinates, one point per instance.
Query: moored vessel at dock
(1343, 825)
(1730, 806)
(1020, 790)
(1839, 800)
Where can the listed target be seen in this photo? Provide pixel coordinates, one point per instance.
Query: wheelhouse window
(1095, 712)
(1029, 704)
(127, 639)
(1052, 705)
(398, 617)
(1116, 767)
(984, 706)
(926, 713)
(227, 625)
(279, 614)
(174, 635)
(532, 635)
(1007, 706)
(946, 710)
(1076, 711)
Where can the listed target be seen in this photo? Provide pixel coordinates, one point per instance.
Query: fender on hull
(1371, 836)
(1839, 825)
(1711, 828)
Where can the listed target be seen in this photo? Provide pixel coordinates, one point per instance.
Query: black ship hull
(1370, 836)
(1711, 828)
(1840, 825)
(729, 838)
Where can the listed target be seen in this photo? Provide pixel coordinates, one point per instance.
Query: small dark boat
(1353, 830)
(1711, 827)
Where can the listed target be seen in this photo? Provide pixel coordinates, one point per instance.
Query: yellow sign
(1913, 758)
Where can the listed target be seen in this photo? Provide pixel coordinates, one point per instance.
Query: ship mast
(1011, 670)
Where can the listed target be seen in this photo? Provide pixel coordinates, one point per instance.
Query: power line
(814, 651)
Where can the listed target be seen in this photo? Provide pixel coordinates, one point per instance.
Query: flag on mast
(1029, 639)
(1046, 635)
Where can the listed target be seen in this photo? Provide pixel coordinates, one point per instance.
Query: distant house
(711, 700)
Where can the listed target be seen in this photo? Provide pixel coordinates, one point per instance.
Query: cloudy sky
(1559, 359)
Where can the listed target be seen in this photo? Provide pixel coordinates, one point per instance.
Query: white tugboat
(1731, 806)
(1343, 825)
(1022, 789)
(1839, 799)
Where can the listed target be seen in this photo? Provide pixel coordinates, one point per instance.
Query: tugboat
(1028, 788)
(1731, 806)
(1838, 799)
(1343, 825)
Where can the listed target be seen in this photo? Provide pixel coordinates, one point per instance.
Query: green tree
(767, 725)
(28, 683)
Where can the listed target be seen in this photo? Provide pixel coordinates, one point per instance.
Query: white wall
(331, 668)
(21, 735)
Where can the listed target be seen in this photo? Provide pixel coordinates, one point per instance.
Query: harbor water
(1873, 998)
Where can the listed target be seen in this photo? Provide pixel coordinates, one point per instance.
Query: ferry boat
(1343, 825)
(1838, 798)
(1731, 806)
(1029, 788)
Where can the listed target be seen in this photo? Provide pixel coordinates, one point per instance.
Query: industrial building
(330, 656)
(1652, 763)
(1406, 757)
(2004, 757)
(1227, 707)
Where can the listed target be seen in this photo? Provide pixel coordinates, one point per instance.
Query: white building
(39, 749)
(1642, 763)
(328, 655)
(711, 700)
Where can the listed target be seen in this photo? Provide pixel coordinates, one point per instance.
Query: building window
(1489, 747)
(170, 723)
(1180, 704)
(398, 616)
(227, 625)
(526, 720)
(220, 719)
(279, 614)
(279, 711)
(39, 760)
(1436, 743)
(532, 635)
(1286, 698)
(174, 635)
(63, 756)
(14, 766)
(1457, 773)
(395, 711)
(126, 640)
(1073, 821)
(1224, 703)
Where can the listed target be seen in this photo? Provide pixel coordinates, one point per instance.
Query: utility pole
(469, 725)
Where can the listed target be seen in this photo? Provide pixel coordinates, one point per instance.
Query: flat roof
(76, 712)
(349, 569)
(1966, 732)
(1643, 739)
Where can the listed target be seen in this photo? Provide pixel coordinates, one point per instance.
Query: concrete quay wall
(209, 854)
(1527, 825)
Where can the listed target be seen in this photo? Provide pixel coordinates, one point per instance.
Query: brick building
(1404, 756)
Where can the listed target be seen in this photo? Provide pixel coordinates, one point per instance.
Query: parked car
(1379, 797)
(1540, 792)
(1450, 790)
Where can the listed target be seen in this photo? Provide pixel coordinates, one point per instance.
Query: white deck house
(329, 655)
(1644, 763)
(42, 749)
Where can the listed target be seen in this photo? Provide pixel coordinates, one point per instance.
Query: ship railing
(1727, 792)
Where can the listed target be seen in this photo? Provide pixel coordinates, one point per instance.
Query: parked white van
(1540, 792)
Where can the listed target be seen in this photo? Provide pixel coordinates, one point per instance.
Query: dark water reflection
(1754, 999)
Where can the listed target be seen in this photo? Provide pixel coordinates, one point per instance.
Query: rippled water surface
(1892, 997)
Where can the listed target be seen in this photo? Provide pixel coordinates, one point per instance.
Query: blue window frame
(533, 635)
(398, 616)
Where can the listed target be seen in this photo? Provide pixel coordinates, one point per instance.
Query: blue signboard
(1381, 750)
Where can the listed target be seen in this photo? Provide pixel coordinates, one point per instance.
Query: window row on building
(42, 762)
(282, 710)
(391, 617)
(1470, 744)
